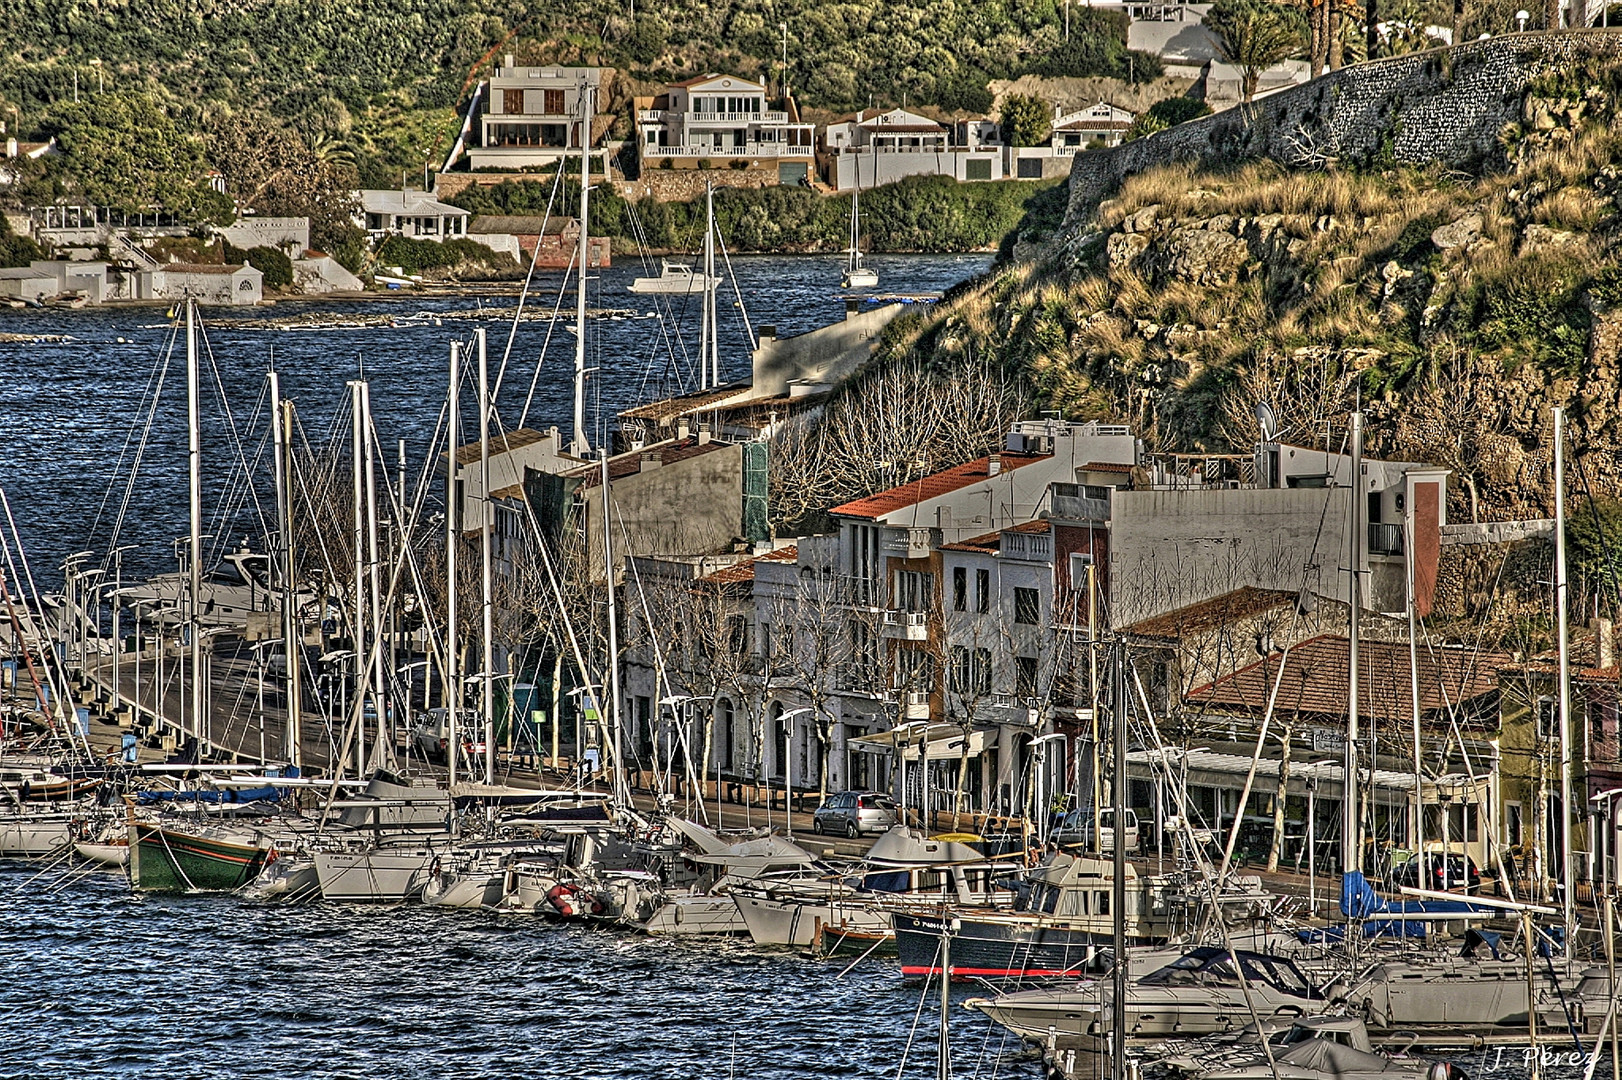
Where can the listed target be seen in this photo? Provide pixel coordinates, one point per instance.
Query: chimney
(994, 465)
(1605, 637)
(507, 63)
(681, 427)
(649, 462)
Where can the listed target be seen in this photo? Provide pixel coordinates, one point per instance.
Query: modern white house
(1098, 125)
(722, 117)
(415, 214)
(873, 148)
(220, 285)
(534, 116)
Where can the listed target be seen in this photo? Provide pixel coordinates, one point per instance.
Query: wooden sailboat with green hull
(204, 858)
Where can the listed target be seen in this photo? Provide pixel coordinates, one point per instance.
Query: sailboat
(857, 276)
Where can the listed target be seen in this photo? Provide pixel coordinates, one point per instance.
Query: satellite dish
(1266, 420)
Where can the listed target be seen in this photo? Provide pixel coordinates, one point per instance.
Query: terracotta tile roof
(930, 487)
(1107, 466)
(686, 404)
(988, 544)
(630, 464)
(740, 572)
(516, 439)
(1213, 613)
(739, 80)
(1316, 680)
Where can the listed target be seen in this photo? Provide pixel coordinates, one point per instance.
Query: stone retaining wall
(1446, 105)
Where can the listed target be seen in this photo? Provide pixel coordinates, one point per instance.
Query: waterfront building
(533, 117)
(413, 214)
(723, 119)
(558, 239)
(873, 148)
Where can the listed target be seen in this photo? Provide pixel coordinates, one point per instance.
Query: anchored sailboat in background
(856, 275)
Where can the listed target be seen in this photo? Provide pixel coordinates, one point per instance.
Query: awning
(939, 741)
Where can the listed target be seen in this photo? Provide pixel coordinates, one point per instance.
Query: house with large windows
(414, 214)
(721, 119)
(535, 116)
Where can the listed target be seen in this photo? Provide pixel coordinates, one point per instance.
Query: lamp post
(677, 702)
(787, 720)
(1521, 18)
(257, 648)
(581, 709)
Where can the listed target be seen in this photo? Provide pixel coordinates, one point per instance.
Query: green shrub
(276, 266)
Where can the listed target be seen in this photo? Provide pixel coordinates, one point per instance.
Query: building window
(554, 103)
(960, 588)
(1027, 607)
(982, 591)
(723, 735)
(512, 101)
(737, 635)
(644, 728)
(1512, 823)
(1025, 677)
(913, 590)
(1548, 719)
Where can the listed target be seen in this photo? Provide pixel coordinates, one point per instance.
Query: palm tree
(1253, 35)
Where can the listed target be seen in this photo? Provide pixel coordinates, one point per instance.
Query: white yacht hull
(107, 854)
(701, 915)
(467, 889)
(35, 836)
(373, 876)
(801, 922)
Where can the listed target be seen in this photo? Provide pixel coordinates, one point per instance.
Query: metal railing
(1385, 539)
(751, 150)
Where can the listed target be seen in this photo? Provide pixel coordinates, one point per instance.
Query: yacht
(675, 277)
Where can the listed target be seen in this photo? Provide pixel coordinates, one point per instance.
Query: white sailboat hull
(34, 836)
(373, 876)
(799, 922)
(861, 279)
(702, 915)
(469, 889)
(107, 854)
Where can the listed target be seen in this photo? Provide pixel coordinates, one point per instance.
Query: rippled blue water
(95, 981)
(70, 409)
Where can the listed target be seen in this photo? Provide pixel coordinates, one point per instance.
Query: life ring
(561, 898)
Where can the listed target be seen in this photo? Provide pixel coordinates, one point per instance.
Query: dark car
(1449, 873)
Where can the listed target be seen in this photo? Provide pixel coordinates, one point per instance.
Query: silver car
(854, 813)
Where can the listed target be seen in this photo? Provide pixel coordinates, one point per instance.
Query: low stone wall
(1446, 105)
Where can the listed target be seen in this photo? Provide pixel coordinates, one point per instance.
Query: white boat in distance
(675, 277)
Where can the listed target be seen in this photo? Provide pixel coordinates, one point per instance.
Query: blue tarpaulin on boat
(242, 795)
(1358, 899)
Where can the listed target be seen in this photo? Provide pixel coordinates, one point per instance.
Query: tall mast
(486, 527)
(358, 539)
(194, 442)
(708, 352)
(280, 426)
(453, 516)
(1564, 643)
(1118, 832)
(620, 789)
(580, 445)
(384, 747)
(1413, 682)
(292, 633)
(1351, 821)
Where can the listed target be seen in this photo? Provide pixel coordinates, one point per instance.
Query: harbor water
(74, 415)
(98, 982)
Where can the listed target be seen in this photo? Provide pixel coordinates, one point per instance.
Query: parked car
(1075, 829)
(854, 813)
(1449, 873)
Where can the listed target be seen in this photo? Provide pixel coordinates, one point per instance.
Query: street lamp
(787, 720)
(582, 707)
(1521, 18)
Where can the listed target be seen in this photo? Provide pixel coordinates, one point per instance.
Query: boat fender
(434, 868)
(1445, 1070)
(560, 897)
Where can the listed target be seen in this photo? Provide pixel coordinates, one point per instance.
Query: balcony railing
(858, 591)
(906, 625)
(1385, 539)
(650, 116)
(911, 543)
(764, 150)
(772, 117)
(917, 705)
(1202, 471)
(859, 678)
(1027, 547)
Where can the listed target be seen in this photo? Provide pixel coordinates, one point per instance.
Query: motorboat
(675, 277)
(707, 906)
(1059, 923)
(904, 869)
(1240, 1054)
(1198, 992)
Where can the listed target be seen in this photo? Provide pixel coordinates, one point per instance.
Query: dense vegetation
(380, 82)
(932, 213)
